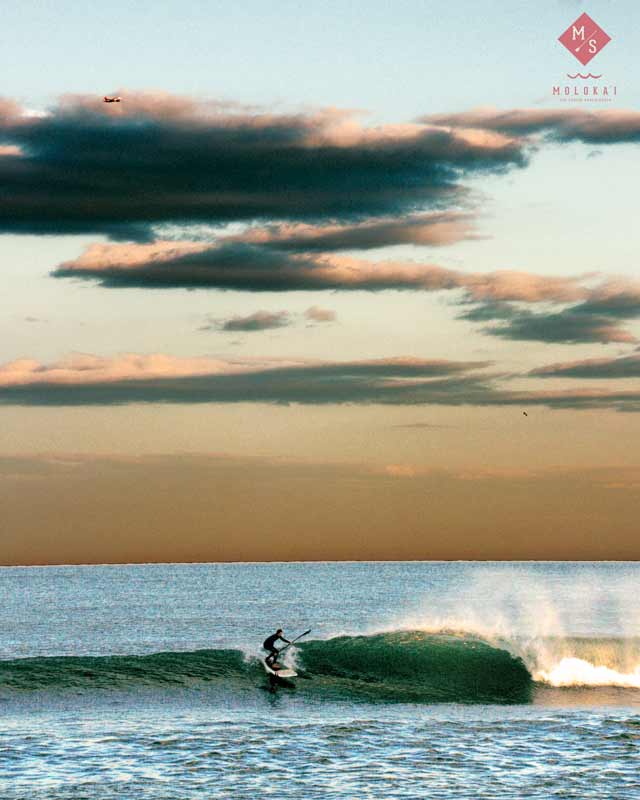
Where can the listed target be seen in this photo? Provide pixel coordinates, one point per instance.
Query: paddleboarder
(269, 645)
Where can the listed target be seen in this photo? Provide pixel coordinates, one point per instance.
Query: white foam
(577, 672)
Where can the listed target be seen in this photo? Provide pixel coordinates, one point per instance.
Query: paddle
(293, 641)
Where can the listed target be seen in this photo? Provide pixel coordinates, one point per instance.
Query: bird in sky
(111, 99)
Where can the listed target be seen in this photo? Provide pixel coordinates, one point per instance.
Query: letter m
(577, 33)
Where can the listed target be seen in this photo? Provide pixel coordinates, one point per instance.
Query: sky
(331, 281)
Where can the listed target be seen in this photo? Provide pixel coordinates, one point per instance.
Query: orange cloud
(255, 267)
(130, 378)
(605, 126)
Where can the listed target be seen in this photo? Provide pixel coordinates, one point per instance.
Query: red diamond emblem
(584, 39)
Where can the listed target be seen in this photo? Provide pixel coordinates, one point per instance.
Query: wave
(156, 669)
(398, 666)
(414, 666)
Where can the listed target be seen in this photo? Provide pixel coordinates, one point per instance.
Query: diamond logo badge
(584, 39)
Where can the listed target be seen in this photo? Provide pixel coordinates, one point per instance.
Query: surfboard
(283, 672)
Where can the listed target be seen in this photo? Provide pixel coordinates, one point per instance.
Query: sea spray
(517, 611)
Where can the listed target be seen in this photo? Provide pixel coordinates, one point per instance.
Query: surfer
(269, 644)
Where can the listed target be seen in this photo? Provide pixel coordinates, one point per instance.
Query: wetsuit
(269, 644)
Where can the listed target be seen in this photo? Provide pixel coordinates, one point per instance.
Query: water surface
(418, 680)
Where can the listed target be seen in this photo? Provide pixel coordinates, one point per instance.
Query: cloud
(130, 378)
(567, 326)
(579, 399)
(485, 297)
(563, 125)
(601, 368)
(618, 299)
(488, 311)
(86, 166)
(596, 319)
(511, 285)
(258, 321)
(401, 470)
(257, 267)
(244, 267)
(265, 320)
(120, 169)
(317, 314)
(86, 379)
(83, 368)
(434, 229)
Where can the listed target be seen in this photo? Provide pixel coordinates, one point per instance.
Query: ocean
(417, 680)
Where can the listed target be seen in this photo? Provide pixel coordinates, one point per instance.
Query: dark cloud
(234, 265)
(615, 299)
(117, 232)
(155, 158)
(579, 400)
(253, 266)
(489, 311)
(596, 127)
(605, 368)
(89, 380)
(596, 319)
(566, 326)
(87, 166)
(245, 267)
(258, 321)
(306, 387)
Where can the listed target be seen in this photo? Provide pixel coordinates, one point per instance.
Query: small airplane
(106, 99)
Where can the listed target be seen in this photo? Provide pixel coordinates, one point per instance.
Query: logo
(584, 39)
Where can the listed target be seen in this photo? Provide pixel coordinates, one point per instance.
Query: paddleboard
(283, 672)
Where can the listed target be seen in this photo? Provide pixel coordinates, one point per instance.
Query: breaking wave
(397, 666)
(414, 666)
